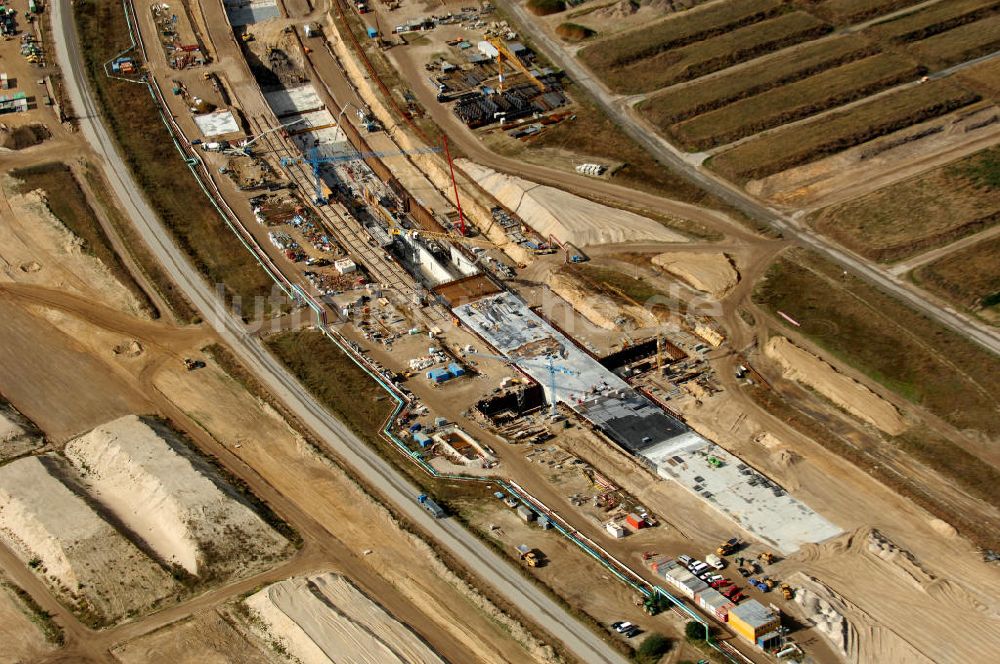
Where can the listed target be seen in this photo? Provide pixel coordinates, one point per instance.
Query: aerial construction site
(542, 331)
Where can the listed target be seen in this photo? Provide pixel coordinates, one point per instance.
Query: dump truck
(787, 592)
(728, 547)
(433, 508)
(528, 555)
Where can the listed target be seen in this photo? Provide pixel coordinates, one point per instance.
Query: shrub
(694, 631)
(652, 649)
(574, 32)
(545, 7)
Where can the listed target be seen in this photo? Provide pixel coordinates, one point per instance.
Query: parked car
(622, 626)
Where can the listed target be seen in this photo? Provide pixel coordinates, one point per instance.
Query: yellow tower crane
(504, 53)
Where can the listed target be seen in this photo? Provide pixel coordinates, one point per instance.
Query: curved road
(676, 161)
(577, 638)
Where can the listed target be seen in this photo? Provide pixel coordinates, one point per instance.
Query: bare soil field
(809, 141)
(970, 277)
(324, 618)
(712, 273)
(21, 629)
(63, 196)
(206, 638)
(909, 354)
(800, 365)
(18, 435)
(711, 92)
(41, 364)
(794, 101)
(984, 76)
(914, 215)
(80, 555)
(854, 11)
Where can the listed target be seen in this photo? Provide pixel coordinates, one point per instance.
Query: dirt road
(275, 378)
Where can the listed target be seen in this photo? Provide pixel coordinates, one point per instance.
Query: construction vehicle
(433, 508)
(766, 557)
(504, 53)
(192, 364)
(530, 556)
(787, 592)
(760, 584)
(728, 547)
(655, 604)
(769, 582)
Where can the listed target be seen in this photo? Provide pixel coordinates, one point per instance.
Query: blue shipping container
(456, 369)
(422, 439)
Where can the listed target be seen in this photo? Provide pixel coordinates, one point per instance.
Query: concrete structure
(642, 427)
(219, 123)
(460, 445)
(248, 12)
(755, 622)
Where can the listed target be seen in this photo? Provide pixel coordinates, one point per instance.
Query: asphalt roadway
(669, 156)
(492, 568)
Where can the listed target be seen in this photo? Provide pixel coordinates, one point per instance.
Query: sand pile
(845, 392)
(81, 555)
(601, 310)
(324, 619)
(855, 634)
(902, 561)
(158, 494)
(566, 216)
(622, 9)
(710, 273)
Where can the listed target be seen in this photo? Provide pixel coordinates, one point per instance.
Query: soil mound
(324, 618)
(173, 506)
(18, 435)
(25, 136)
(102, 574)
(600, 310)
(622, 9)
(566, 216)
(710, 273)
(130, 348)
(845, 392)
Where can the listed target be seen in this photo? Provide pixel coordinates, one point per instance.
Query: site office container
(635, 521)
(751, 619)
(715, 603)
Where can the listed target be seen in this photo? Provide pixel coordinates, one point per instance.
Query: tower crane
(504, 53)
(315, 159)
(548, 364)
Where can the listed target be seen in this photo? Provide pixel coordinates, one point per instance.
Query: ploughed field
(768, 85)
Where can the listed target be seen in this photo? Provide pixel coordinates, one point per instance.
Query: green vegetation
(794, 101)
(705, 95)
(545, 7)
(149, 151)
(915, 215)
(617, 284)
(704, 57)
(67, 201)
(574, 32)
(694, 631)
(809, 141)
(970, 277)
(908, 353)
(652, 649)
(977, 477)
(43, 619)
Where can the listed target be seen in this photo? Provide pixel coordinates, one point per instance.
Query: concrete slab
(219, 123)
(243, 12)
(740, 492)
(294, 101)
(641, 426)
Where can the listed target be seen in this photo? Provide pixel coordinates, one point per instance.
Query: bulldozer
(728, 547)
(766, 557)
(530, 556)
(769, 582)
(787, 592)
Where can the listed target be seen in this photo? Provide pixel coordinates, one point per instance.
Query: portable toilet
(372, 32)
